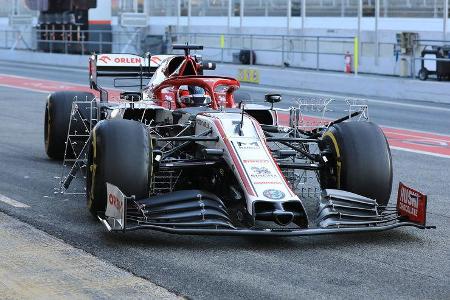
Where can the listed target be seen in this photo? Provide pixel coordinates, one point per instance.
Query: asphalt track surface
(402, 263)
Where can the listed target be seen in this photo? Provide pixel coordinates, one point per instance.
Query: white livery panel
(115, 207)
(246, 152)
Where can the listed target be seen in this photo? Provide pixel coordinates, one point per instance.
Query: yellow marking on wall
(222, 41)
(249, 75)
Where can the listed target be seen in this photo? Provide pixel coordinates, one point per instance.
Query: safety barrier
(330, 53)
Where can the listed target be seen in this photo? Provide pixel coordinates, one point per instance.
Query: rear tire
(120, 154)
(361, 160)
(57, 118)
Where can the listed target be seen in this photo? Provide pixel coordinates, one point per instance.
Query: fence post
(303, 47)
(82, 42)
(356, 54)
(64, 34)
(51, 40)
(317, 53)
(222, 46)
(139, 42)
(101, 41)
(413, 60)
(251, 49)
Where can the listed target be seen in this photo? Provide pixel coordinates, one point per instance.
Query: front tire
(120, 154)
(360, 160)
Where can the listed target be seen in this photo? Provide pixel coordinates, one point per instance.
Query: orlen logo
(127, 60)
(113, 200)
(121, 60)
(105, 58)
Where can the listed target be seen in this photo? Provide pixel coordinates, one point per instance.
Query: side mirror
(272, 98)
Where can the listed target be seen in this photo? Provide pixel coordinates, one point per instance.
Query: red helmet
(192, 96)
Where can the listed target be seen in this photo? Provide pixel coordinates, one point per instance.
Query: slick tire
(360, 162)
(247, 57)
(58, 109)
(119, 153)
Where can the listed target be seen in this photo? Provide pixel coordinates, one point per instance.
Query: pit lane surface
(400, 263)
(398, 138)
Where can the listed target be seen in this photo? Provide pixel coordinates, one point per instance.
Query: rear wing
(122, 65)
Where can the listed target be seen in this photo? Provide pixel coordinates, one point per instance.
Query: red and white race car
(180, 155)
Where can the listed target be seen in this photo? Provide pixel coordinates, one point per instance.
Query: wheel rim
(90, 175)
(46, 127)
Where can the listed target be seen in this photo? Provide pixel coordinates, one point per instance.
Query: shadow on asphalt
(149, 239)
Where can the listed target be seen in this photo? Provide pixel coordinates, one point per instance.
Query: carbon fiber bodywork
(196, 212)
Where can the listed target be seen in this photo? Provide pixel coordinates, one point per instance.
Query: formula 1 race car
(180, 155)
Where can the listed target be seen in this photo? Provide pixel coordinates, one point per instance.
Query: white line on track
(12, 202)
(439, 135)
(49, 80)
(47, 67)
(290, 93)
(420, 152)
(443, 139)
(376, 101)
(293, 92)
(24, 88)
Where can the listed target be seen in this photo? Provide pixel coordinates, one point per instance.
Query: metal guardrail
(283, 46)
(287, 50)
(308, 52)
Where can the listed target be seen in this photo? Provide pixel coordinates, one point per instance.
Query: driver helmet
(193, 96)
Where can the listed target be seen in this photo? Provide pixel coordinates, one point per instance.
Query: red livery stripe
(234, 157)
(100, 22)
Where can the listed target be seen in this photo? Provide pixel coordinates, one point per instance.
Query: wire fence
(314, 52)
(281, 50)
(71, 41)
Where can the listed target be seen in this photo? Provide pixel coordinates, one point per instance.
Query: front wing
(201, 213)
